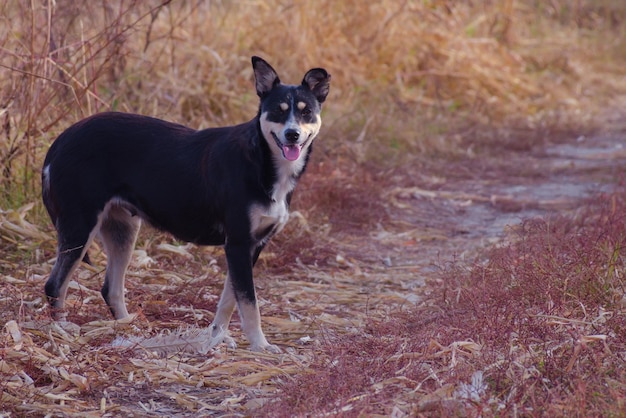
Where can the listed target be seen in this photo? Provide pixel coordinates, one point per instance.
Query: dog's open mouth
(290, 152)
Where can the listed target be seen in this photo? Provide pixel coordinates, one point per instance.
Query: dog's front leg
(239, 258)
(225, 309)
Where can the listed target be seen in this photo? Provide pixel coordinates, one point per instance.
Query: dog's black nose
(292, 135)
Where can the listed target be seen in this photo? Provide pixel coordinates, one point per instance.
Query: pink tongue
(291, 152)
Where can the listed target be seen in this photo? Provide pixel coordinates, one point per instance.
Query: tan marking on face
(301, 105)
(284, 106)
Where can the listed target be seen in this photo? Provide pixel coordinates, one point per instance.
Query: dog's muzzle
(291, 151)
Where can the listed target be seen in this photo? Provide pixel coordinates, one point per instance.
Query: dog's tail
(48, 201)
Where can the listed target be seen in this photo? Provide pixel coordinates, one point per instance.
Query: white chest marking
(268, 220)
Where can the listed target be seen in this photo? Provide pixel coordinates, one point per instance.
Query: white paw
(229, 341)
(66, 327)
(220, 335)
(267, 347)
(59, 315)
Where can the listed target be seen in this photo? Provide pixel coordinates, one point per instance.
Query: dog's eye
(306, 111)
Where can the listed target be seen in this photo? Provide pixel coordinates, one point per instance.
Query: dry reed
(402, 70)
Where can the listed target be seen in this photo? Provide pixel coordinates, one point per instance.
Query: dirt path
(475, 203)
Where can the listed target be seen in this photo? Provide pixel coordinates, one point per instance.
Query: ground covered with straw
(456, 247)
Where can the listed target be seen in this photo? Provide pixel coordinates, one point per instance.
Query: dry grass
(537, 327)
(77, 369)
(406, 75)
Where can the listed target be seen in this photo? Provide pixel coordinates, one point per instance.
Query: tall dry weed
(404, 73)
(57, 58)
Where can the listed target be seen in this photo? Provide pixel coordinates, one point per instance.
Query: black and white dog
(221, 186)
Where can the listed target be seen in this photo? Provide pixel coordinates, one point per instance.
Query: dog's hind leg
(75, 234)
(118, 233)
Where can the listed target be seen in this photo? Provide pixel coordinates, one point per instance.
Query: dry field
(390, 291)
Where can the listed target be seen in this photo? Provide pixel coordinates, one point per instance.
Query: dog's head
(290, 115)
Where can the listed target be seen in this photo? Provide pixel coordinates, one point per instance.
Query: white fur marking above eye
(284, 106)
(301, 105)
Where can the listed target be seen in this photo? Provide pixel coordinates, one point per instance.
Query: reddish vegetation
(545, 310)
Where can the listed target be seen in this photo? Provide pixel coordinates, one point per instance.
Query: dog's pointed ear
(264, 75)
(318, 81)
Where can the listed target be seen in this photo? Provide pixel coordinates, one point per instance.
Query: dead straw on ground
(80, 367)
